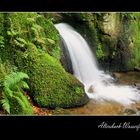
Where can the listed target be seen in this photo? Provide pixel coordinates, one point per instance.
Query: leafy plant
(12, 33)
(1, 42)
(99, 52)
(13, 86)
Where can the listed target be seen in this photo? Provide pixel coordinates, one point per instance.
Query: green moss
(134, 41)
(2, 42)
(99, 52)
(50, 85)
(19, 104)
(5, 68)
(54, 16)
(2, 73)
(1, 24)
(35, 45)
(29, 27)
(32, 45)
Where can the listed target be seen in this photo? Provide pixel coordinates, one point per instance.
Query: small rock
(137, 85)
(130, 111)
(91, 89)
(136, 69)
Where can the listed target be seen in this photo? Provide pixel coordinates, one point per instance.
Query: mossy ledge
(32, 44)
(50, 85)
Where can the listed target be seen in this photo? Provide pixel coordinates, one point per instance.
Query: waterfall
(98, 85)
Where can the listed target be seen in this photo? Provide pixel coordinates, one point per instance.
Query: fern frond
(7, 91)
(23, 85)
(14, 78)
(51, 41)
(13, 84)
(5, 104)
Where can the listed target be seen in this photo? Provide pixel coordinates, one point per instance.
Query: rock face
(65, 57)
(91, 89)
(114, 37)
(137, 85)
(130, 111)
(51, 86)
(110, 24)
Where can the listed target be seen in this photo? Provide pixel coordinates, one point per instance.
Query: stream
(93, 107)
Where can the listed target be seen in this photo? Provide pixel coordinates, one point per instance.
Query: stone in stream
(137, 85)
(130, 111)
(91, 89)
(136, 69)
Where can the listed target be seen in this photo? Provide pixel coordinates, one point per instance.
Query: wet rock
(130, 111)
(138, 108)
(106, 83)
(137, 69)
(110, 23)
(137, 85)
(65, 57)
(91, 89)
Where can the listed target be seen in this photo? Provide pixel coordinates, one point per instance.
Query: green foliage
(134, 40)
(50, 85)
(99, 52)
(79, 90)
(15, 40)
(1, 24)
(52, 36)
(5, 103)
(14, 82)
(100, 16)
(13, 86)
(5, 68)
(12, 33)
(127, 16)
(33, 46)
(32, 27)
(17, 29)
(20, 105)
(2, 75)
(2, 44)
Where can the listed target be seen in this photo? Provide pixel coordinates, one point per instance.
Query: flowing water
(98, 85)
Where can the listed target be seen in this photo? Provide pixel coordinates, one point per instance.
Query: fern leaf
(23, 85)
(5, 104)
(51, 41)
(7, 91)
(14, 78)
(23, 41)
(13, 83)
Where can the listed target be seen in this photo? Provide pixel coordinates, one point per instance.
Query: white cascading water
(86, 70)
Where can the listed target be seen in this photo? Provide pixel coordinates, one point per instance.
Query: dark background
(67, 127)
(69, 5)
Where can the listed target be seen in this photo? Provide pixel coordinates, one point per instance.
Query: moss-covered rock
(133, 33)
(50, 85)
(65, 58)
